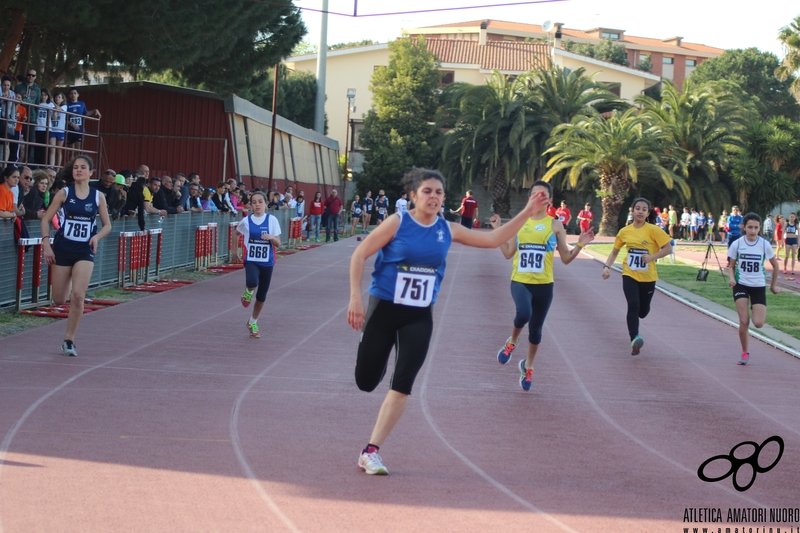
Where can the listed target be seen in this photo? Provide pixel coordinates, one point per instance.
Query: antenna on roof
(548, 26)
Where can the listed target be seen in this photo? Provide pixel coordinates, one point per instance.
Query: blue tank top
(356, 208)
(409, 270)
(259, 249)
(78, 220)
(367, 204)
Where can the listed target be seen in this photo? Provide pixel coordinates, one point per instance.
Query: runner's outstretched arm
(503, 234)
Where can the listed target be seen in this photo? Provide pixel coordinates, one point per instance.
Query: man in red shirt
(468, 210)
(563, 214)
(585, 218)
(333, 204)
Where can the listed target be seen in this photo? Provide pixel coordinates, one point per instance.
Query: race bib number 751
(414, 285)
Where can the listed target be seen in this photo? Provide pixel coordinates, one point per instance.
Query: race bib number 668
(414, 285)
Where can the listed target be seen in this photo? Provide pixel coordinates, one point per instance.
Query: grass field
(783, 310)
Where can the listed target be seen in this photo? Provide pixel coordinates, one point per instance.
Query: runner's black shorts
(68, 259)
(757, 295)
(389, 325)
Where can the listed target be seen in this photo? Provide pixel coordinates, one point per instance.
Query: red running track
(172, 419)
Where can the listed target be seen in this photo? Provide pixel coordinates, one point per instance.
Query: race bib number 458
(414, 285)
(531, 258)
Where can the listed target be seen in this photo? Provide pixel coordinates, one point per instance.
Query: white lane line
(701, 368)
(234, 426)
(6, 444)
(426, 411)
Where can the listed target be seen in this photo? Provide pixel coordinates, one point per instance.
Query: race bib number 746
(414, 285)
(636, 259)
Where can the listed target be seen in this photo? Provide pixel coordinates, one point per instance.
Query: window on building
(609, 35)
(669, 60)
(612, 87)
(448, 77)
(691, 62)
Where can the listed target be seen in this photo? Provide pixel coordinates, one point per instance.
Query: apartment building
(671, 58)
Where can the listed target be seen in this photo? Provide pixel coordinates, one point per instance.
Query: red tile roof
(494, 55)
(501, 25)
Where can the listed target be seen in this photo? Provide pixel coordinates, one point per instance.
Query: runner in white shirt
(747, 277)
(401, 204)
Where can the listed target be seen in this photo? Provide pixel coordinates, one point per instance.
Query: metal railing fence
(178, 248)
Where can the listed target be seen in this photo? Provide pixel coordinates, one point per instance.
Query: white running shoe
(371, 463)
(68, 348)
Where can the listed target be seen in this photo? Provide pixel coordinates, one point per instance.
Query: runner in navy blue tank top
(71, 255)
(412, 249)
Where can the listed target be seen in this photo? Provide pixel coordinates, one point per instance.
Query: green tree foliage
(754, 72)
(766, 169)
(701, 126)
(223, 45)
(615, 154)
(297, 95)
(304, 48)
(645, 64)
(605, 50)
(498, 132)
(789, 36)
(351, 44)
(397, 133)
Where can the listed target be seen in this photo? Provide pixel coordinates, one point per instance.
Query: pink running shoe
(745, 358)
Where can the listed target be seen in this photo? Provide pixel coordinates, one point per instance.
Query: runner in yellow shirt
(645, 243)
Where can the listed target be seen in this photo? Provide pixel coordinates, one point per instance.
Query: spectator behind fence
(40, 134)
(220, 199)
(150, 192)
(75, 127)
(34, 201)
(315, 215)
(17, 150)
(301, 204)
(166, 199)
(274, 200)
(25, 184)
(8, 209)
(193, 202)
(206, 201)
(180, 185)
(31, 94)
(8, 113)
(333, 204)
(58, 125)
(105, 184)
(134, 205)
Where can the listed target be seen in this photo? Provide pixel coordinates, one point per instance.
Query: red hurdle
(36, 242)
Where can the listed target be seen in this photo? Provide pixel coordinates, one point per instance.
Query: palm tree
(701, 125)
(790, 37)
(614, 153)
(490, 135)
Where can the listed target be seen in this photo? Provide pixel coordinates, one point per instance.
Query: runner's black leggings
(387, 325)
(639, 295)
(532, 302)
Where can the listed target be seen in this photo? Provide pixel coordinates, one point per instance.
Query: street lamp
(351, 96)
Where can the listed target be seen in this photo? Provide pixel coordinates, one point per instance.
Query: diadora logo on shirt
(440, 236)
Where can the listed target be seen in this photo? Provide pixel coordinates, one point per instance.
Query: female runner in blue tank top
(412, 247)
(261, 236)
(71, 255)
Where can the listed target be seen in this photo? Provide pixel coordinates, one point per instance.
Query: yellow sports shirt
(533, 261)
(648, 239)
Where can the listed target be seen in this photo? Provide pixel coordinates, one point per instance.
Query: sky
(720, 23)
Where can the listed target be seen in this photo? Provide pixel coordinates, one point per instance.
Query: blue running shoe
(526, 376)
(504, 355)
(636, 345)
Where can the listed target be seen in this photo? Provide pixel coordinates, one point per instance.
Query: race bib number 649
(414, 285)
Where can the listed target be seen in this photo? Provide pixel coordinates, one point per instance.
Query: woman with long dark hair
(646, 243)
(71, 256)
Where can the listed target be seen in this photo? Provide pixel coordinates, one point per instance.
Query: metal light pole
(351, 96)
(274, 123)
(322, 62)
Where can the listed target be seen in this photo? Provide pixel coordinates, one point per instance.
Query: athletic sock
(248, 291)
(371, 448)
(253, 320)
